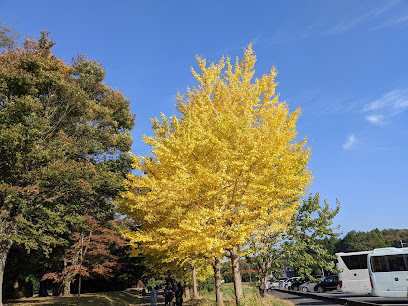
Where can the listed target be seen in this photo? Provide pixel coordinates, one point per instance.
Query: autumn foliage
(228, 166)
(90, 253)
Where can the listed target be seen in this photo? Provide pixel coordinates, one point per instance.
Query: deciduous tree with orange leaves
(229, 165)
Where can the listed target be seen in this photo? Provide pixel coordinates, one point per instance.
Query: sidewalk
(145, 301)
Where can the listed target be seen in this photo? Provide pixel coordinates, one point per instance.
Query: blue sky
(343, 62)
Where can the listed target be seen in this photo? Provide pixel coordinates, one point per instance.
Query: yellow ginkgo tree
(228, 166)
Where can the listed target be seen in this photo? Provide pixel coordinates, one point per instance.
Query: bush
(207, 284)
(246, 277)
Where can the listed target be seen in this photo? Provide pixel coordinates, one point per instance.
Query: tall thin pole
(250, 274)
(80, 265)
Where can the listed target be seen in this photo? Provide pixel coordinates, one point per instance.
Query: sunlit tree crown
(229, 165)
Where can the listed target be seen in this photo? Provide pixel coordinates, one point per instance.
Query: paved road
(299, 299)
(337, 298)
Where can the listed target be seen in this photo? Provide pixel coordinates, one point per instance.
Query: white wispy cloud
(375, 119)
(350, 142)
(350, 24)
(308, 31)
(389, 105)
(394, 22)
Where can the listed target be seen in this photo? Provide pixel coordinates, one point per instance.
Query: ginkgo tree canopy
(229, 165)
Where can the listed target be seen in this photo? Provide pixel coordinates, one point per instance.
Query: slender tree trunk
(262, 276)
(4, 250)
(66, 283)
(28, 290)
(80, 266)
(263, 262)
(217, 280)
(236, 274)
(15, 291)
(56, 289)
(186, 290)
(262, 284)
(195, 291)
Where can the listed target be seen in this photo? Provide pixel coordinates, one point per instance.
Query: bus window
(354, 262)
(359, 262)
(396, 263)
(378, 263)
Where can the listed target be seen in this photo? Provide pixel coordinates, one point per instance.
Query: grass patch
(133, 297)
(128, 297)
(251, 297)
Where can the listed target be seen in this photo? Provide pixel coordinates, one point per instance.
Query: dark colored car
(330, 283)
(295, 285)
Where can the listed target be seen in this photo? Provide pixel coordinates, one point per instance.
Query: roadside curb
(326, 298)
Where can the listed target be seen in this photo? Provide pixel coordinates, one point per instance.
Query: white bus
(388, 269)
(353, 276)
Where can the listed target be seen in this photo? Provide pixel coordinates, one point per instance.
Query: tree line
(64, 143)
(355, 241)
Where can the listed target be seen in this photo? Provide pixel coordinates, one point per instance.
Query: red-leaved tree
(89, 254)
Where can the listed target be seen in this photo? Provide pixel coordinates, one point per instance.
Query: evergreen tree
(396, 237)
(356, 241)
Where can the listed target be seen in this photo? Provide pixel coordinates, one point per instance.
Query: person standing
(168, 295)
(153, 296)
(179, 295)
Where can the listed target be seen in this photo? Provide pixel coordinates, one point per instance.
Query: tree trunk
(28, 289)
(186, 290)
(43, 290)
(15, 294)
(217, 280)
(66, 283)
(195, 291)
(56, 289)
(66, 286)
(263, 263)
(262, 284)
(262, 276)
(4, 250)
(236, 274)
(80, 265)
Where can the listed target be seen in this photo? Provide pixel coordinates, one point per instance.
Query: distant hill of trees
(355, 241)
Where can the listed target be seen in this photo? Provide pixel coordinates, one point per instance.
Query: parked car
(329, 283)
(288, 283)
(308, 286)
(296, 285)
